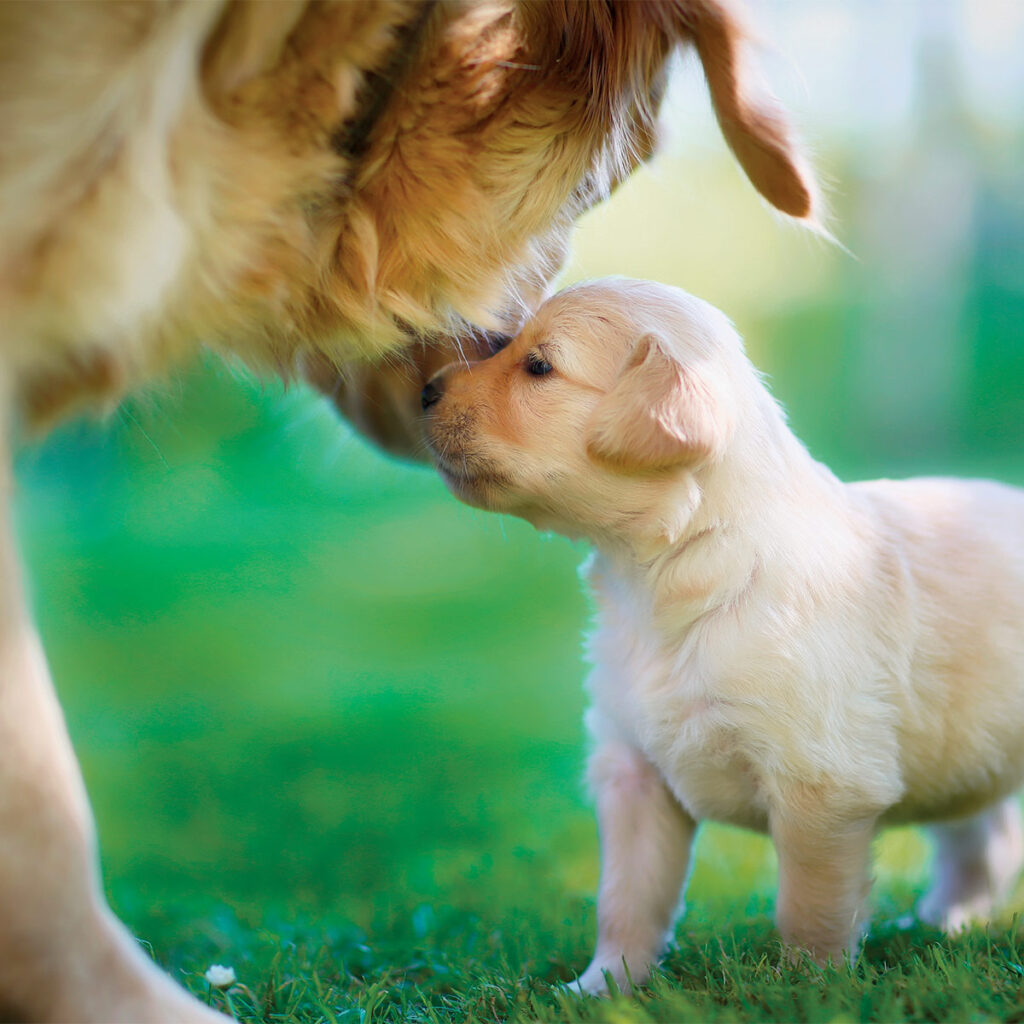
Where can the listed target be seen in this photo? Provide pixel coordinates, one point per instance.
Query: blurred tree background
(304, 682)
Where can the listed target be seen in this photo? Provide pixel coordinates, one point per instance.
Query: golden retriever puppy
(303, 185)
(774, 649)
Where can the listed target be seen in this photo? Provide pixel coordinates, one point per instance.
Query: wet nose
(432, 392)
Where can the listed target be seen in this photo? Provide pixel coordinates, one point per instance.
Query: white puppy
(774, 648)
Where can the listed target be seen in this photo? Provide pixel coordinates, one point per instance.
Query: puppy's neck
(704, 546)
(679, 576)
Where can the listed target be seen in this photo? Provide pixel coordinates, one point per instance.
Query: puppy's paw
(594, 982)
(625, 973)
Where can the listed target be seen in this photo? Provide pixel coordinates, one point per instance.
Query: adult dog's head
(541, 109)
(310, 184)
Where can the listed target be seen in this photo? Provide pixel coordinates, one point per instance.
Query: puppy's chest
(664, 701)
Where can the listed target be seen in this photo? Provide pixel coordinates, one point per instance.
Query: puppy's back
(967, 535)
(959, 545)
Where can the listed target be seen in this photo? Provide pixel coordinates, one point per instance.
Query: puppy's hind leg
(645, 852)
(977, 861)
(63, 955)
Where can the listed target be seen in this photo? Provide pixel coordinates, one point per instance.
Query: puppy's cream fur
(774, 648)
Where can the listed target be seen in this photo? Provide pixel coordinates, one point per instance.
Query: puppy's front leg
(645, 852)
(824, 880)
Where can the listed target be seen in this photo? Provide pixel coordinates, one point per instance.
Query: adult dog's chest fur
(662, 697)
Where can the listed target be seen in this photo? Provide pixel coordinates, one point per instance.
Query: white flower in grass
(220, 977)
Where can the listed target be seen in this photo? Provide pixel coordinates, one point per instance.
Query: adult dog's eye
(537, 365)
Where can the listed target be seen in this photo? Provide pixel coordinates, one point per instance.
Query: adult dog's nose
(432, 392)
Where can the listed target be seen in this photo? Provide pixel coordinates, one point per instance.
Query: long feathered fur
(183, 174)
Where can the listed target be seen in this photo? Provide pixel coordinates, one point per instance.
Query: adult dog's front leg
(824, 880)
(63, 955)
(645, 853)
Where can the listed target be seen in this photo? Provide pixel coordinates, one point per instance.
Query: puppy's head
(592, 416)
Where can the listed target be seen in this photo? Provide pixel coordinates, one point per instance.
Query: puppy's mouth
(469, 472)
(469, 479)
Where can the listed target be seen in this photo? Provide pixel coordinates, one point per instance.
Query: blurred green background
(307, 686)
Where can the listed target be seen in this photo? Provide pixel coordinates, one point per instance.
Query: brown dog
(302, 184)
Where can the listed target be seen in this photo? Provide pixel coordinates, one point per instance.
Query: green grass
(437, 962)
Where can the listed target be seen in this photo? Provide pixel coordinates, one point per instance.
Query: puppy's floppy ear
(659, 414)
(752, 122)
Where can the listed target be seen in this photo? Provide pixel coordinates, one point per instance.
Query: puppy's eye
(537, 365)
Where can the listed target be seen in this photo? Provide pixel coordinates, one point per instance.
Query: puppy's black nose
(431, 393)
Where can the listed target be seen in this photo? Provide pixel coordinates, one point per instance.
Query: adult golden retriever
(303, 185)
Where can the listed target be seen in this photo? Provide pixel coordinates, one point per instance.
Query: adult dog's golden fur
(304, 185)
(183, 173)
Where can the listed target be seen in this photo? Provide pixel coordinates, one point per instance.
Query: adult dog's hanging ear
(659, 414)
(752, 122)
